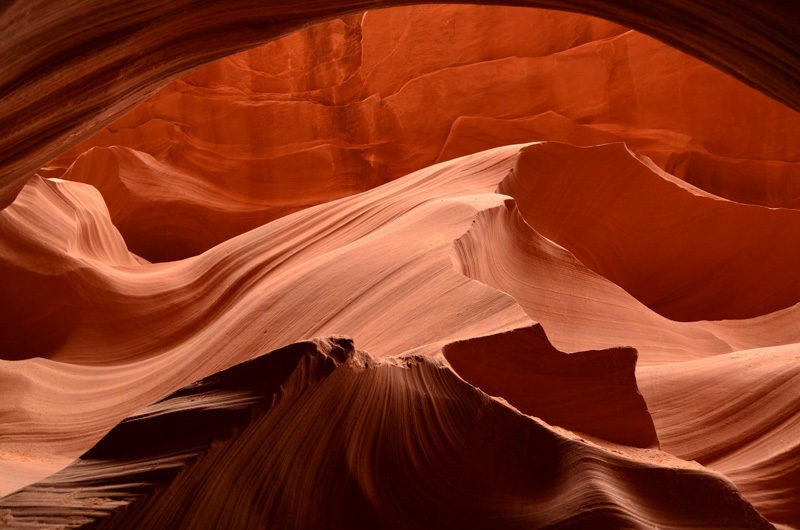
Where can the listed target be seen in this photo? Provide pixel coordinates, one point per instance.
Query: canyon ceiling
(69, 71)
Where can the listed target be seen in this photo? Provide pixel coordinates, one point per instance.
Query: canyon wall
(424, 267)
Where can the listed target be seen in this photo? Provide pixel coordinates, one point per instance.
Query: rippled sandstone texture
(569, 332)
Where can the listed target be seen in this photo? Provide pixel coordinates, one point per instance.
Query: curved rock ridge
(134, 312)
(664, 241)
(736, 413)
(700, 407)
(136, 333)
(582, 310)
(418, 442)
(113, 296)
(437, 260)
(51, 241)
(336, 109)
(165, 213)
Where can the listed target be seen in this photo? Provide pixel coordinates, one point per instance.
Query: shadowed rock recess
(299, 265)
(343, 436)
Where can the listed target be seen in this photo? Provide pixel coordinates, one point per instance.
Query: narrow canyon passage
(432, 266)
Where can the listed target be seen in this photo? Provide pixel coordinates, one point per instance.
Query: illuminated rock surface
(394, 271)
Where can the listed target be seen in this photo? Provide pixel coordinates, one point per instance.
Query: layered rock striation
(413, 268)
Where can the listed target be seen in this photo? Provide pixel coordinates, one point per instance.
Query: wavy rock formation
(343, 103)
(663, 241)
(566, 257)
(698, 406)
(271, 430)
(146, 329)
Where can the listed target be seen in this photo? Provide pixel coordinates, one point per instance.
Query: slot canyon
(388, 265)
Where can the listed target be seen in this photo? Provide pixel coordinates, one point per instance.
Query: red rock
(336, 109)
(571, 331)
